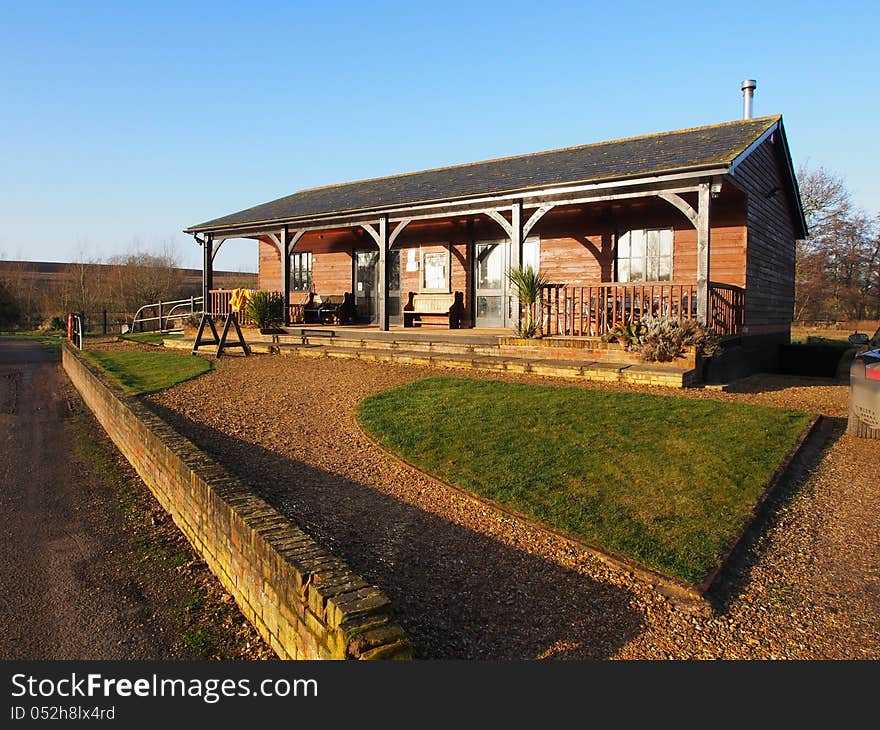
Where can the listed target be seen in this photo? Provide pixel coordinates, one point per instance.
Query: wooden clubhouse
(695, 223)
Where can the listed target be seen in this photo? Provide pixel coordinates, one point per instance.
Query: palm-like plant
(266, 309)
(529, 284)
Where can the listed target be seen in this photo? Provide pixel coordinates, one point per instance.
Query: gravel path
(467, 583)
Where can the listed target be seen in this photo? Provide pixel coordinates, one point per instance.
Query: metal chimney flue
(748, 89)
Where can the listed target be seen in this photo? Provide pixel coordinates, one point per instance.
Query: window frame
(658, 258)
(297, 271)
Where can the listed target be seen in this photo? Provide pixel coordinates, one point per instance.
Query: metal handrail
(191, 303)
(76, 330)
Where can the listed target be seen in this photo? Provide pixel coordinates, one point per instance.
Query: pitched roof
(668, 152)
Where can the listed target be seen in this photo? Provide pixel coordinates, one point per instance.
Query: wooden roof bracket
(680, 203)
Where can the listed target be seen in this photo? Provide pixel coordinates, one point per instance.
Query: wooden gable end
(772, 232)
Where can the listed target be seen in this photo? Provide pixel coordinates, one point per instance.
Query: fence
(103, 321)
(592, 311)
(162, 316)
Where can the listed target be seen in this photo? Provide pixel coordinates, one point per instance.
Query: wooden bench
(445, 310)
(306, 334)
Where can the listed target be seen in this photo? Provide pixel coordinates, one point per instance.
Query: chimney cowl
(748, 90)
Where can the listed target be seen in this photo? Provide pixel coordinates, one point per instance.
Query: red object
(872, 372)
(69, 325)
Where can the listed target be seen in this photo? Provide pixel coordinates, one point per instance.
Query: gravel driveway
(467, 583)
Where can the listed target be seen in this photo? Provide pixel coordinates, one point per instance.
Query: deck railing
(220, 306)
(727, 306)
(592, 311)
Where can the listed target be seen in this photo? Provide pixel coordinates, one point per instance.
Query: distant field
(48, 272)
(833, 333)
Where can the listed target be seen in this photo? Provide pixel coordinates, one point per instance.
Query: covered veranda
(586, 309)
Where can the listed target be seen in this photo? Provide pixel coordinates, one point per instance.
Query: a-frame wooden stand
(220, 341)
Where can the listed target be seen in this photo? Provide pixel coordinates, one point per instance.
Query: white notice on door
(412, 262)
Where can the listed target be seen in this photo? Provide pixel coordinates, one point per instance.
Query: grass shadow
(457, 593)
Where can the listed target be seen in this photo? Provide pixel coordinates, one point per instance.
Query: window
(436, 271)
(645, 255)
(531, 254)
(301, 271)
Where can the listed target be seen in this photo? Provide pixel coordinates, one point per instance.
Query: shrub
(705, 341)
(665, 338)
(266, 309)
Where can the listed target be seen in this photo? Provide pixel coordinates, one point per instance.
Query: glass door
(366, 275)
(491, 297)
(395, 306)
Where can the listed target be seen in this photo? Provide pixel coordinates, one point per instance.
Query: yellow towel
(239, 299)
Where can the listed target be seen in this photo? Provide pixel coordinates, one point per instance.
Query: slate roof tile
(667, 152)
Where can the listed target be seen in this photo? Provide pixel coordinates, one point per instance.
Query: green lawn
(665, 481)
(151, 338)
(147, 372)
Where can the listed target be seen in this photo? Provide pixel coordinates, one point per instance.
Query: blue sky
(122, 123)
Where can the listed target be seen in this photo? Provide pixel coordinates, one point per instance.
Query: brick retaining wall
(305, 602)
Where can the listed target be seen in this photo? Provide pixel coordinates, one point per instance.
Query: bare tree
(141, 277)
(837, 265)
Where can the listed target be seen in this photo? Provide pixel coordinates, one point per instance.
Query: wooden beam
(295, 239)
(535, 217)
(680, 203)
(469, 207)
(285, 274)
(516, 239)
(215, 246)
(703, 251)
(277, 241)
(207, 272)
(398, 230)
(373, 232)
(382, 293)
(499, 219)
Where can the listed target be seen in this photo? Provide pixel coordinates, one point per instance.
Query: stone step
(587, 369)
(384, 344)
(609, 353)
